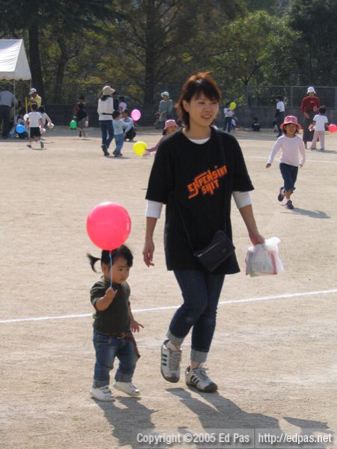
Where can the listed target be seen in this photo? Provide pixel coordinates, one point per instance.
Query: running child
(35, 122)
(318, 125)
(292, 147)
(170, 127)
(113, 325)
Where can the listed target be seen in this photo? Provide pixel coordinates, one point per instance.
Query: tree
(316, 57)
(245, 59)
(74, 16)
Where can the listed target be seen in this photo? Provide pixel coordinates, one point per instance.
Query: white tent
(13, 60)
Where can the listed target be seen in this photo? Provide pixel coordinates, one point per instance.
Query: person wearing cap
(309, 107)
(170, 127)
(292, 157)
(165, 109)
(34, 98)
(105, 109)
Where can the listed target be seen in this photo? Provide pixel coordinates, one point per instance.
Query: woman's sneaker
(290, 204)
(170, 363)
(102, 394)
(281, 194)
(127, 387)
(198, 379)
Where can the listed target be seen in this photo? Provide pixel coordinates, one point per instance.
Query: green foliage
(141, 47)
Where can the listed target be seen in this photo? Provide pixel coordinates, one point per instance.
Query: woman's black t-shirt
(196, 182)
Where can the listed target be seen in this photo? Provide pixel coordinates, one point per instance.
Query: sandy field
(274, 354)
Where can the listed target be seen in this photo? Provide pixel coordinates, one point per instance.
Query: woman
(195, 173)
(165, 109)
(309, 106)
(105, 109)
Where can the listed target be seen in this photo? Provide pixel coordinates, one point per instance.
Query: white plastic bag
(264, 258)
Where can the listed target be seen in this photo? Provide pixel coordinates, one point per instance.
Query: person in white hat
(105, 109)
(309, 106)
(165, 109)
(34, 98)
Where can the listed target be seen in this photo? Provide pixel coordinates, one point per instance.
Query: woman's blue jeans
(107, 349)
(201, 291)
(107, 133)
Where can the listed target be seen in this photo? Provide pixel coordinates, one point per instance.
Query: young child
(170, 127)
(34, 121)
(319, 124)
(129, 126)
(81, 116)
(228, 114)
(255, 124)
(292, 147)
(113, 325)
(118, 133)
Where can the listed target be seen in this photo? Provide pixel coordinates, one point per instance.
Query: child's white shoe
(102, 394)
(127, 387)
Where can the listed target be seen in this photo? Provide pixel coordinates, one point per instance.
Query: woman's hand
(256, 238)
(148, 252)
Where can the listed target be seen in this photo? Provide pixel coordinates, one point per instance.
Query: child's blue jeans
(201, 291)
(119, 138)
(107, 349)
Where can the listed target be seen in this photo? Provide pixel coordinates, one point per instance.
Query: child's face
(290, 129)
(119, 271)
(171, 129)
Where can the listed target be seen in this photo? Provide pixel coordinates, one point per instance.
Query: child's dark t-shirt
(115, 319)
(196, 182)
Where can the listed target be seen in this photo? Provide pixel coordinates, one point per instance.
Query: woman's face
(202, 110)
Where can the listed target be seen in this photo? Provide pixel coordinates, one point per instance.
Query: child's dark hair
(322, 109)
(34, 106)
(122, 251)
(116, 114)
(200, 83)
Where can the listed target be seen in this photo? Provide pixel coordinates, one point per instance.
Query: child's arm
(104, 302)
(302, 151)
(135, 326)
(311, 127)
(275, 149)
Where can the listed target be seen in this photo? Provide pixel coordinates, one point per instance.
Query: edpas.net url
(283, 438)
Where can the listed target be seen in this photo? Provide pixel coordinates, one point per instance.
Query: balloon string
(110, 255)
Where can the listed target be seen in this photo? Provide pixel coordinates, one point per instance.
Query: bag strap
(221, 146)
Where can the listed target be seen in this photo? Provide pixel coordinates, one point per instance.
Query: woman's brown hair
(195, 85)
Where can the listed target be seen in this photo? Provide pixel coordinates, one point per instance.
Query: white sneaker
(127, 387)
(198, 379)
(102, 393)
(170, 363)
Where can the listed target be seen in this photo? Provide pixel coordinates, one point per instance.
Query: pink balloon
(136, 114)
(332, 128)
(108, 225)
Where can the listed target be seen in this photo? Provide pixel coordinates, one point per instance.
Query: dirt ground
(274, 354)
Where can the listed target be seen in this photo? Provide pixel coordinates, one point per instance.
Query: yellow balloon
(139, 148)
(232, 105)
